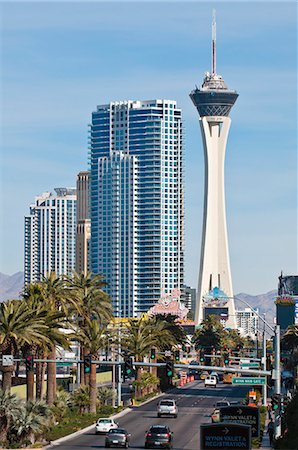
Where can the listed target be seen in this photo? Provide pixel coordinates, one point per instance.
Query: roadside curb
(83, 430)
(149, 400)
(91, 427)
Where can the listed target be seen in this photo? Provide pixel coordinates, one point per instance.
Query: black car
(159, 436)
(117, 437)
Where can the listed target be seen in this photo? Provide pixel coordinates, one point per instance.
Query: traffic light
(226, 358)
(152, 353)
(202, 356)
(169, 369)
(29, 362)
(177, 355)
(128, 366)
(276, 403)
(87, 364)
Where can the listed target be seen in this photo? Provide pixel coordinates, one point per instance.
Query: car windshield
(118, 431)
(157, 430)
(222, 404)
(104, 421)
(167, 403)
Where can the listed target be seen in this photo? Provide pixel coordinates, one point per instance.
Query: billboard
(221, 312)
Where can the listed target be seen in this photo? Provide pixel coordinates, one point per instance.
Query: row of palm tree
(213, 335)
(59, 310)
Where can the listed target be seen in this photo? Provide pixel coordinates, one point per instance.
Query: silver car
(167, 407)
(117, 437)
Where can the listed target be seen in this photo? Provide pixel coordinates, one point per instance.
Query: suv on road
(167, 407)
(211, 381)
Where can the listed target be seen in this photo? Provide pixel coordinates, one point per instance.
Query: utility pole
(277, 389)
(119, 369)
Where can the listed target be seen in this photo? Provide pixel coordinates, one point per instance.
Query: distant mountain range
(11, 286)
(264, 302)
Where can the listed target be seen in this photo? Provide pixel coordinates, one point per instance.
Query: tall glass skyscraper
(136, 201)
(50, 235)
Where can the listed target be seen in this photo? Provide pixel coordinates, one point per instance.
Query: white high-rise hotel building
(50, 230)
(136, 201)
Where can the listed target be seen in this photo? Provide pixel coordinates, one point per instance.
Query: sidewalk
(265, 440)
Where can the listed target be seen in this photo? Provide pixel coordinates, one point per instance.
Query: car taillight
(148, 434)
(168, 434)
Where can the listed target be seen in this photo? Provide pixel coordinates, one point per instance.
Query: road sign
(168, 353)
(249, 381)
(219, 436)
(244, 415)
(7, 360)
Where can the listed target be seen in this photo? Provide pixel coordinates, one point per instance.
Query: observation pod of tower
(214, 102)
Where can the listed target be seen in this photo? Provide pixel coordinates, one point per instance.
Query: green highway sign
(249, 364)
(249, 381)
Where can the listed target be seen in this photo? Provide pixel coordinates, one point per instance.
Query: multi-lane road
(195, 404)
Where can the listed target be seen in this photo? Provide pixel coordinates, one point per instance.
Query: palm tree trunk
(7, 377)
(82, 373)
(30, 385)
(40, 371)
(51, 378)
(92, 385)
(3, 429)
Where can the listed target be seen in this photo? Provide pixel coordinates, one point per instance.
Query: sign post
(7, 360)
(219, 436)
(244, 415)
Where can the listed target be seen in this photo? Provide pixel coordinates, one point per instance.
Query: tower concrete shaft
(215, 263)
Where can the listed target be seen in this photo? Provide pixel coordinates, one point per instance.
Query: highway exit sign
(249, 381)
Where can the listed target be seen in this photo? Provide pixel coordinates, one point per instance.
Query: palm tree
(210, 334)
(290, 338)
(55, 296)
(91, 302)
(19, 326)
(10, 405)
(143, 334)
(92, 337)
(31, 421)
(104, 394)
(61, 404)
(174, 327)
(81, 399)
(55, 323)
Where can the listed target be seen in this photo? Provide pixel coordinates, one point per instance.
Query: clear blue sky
(60, 59)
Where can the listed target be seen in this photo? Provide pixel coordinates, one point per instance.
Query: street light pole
(264, 364)
(119, 369)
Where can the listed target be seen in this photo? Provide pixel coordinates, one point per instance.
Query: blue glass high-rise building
(136, 201)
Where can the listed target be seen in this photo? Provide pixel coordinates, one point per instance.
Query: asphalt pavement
(195, 405)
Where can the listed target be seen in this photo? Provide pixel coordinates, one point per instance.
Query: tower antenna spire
(213, 70)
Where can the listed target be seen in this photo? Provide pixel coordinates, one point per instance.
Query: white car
(211, 380)
(104, 425)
